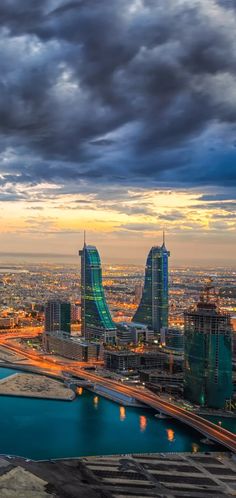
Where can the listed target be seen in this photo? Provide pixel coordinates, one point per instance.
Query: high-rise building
(207, 354)
(96, 320)
(153, 307)
(138, 292)
(57, 316)
(172, 338)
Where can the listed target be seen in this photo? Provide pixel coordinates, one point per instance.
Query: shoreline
(35, 396)
(34, 370)
(31, 385)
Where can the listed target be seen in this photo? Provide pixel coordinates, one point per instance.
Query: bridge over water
(205, 427)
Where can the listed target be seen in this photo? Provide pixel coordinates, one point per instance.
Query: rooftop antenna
(163, 237)
(84, 238)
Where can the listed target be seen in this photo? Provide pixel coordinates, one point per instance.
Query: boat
(160, 415)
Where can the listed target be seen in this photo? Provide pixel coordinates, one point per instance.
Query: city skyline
(117, 255)
(119, 119)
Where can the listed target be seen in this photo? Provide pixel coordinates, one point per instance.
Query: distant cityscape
(26, 286)
(172, 331)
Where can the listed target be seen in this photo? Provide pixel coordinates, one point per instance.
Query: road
(205, 427)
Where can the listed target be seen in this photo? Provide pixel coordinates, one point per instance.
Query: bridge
(208, 429)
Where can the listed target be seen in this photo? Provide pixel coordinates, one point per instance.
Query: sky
(118, 117)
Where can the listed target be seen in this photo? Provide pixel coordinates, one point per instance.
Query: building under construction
(208, 353)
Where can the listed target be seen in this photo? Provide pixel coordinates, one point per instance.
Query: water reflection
(195, 448)
(142, 423)
(95, 401)
(79, 391)
(122, 413)
(170, 435)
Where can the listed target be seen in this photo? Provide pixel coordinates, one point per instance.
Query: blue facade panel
(153, 308)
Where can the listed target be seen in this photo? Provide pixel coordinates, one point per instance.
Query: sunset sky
(118, 117)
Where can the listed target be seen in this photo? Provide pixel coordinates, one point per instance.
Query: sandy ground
(18, 483)
(6, 355)
(37, 386)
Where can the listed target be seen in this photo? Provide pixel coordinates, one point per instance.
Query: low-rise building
(133, 333)
(121, 360)
(163, 381)
(143, 360)
(100, 334)
(61, 344)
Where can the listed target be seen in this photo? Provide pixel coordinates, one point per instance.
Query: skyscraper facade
(138, 292)
(207, 355)
(96, 320)
(57, 316)
(153, 308)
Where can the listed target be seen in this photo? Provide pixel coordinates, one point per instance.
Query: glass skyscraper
(207, 356)
(96, 320)
(58, 316)
(153, 308)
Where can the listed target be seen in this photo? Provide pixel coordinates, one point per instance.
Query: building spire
(84, 238)
(163, 238)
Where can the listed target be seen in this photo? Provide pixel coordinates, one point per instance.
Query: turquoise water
(226, 422)
(4, 372)
(90, 425)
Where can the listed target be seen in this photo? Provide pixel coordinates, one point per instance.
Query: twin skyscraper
(96, 320)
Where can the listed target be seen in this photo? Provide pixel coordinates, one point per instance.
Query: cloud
(106, 94)
(229, 206)
(139, 227)
(218, 197)
(173, 215)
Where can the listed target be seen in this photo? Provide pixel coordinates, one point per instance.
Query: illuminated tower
(96, 321)
(153, 308)
(207, 354)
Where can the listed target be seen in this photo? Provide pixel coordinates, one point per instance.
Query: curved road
(205, 427)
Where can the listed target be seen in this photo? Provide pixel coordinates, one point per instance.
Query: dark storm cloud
(113, 92)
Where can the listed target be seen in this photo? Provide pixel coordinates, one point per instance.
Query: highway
(205, 427)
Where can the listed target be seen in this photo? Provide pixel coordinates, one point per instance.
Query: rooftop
(190, 475)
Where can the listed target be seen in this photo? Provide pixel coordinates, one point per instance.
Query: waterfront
(90, 425)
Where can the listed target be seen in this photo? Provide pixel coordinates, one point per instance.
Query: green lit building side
(208, 356)
(153, 308)
(95, 314)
